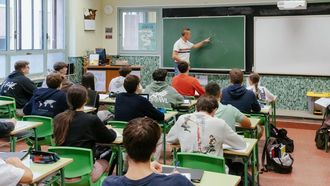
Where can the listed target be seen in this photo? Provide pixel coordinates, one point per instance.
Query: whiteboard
(297, 45)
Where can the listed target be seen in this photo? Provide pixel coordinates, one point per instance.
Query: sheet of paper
(103, 96)
(227, 147)
(324, 102)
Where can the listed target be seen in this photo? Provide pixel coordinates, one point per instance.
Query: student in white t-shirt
(117, 84)
(262, 93)
(13, 172)
(182, 47)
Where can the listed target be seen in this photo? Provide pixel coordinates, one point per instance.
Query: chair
(8, 111)
(44, 131)
(117, 124)
(81, 167)
(202, 161)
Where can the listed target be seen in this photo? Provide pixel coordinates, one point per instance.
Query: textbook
(323, 102)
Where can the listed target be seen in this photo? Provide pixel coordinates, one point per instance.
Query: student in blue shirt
(140, 138)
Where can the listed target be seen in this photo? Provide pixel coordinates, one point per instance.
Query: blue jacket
(241, 98)
(46, 102)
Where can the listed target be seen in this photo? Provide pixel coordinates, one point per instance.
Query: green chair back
(8, 111)
(81, 167)
(201, 161)
(117, 124)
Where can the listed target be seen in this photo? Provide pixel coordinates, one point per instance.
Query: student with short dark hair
(230, 114)
(238, 96)
(140, 138)
(130, 105)
(62, 68)
(117, 84)
(48, 101)
(162, 95)
(186, 85)
(18, 86)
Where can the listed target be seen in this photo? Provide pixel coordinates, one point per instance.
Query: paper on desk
(103, 96)
(227, 147)
(324, 102)
(187, 175)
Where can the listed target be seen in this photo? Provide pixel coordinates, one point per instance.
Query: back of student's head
(19, 65)
(59, 65)
(159, 75)
(207, 104)
(212, 89)
(54, 80)
(254, 78)
(183, 66)
(140, 138)
(131, 83)
(76, 98)
(88, 81)
(236, 76)
(125, 70)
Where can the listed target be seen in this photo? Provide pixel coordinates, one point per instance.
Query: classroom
(151, 92)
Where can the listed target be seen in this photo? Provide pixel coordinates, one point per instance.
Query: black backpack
(324, 131)
(274, 158)
(281, 136)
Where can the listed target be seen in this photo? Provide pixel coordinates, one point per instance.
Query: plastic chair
(8, 111)
(117, 124)
(81, 167)
(202, 161)
(44, 131)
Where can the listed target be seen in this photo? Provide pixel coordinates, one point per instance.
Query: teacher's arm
(175, 56)
(200, 44)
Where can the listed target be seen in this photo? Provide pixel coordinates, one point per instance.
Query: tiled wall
(291, 90)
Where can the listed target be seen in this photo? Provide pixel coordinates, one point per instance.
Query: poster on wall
(147, 36)
(89, 19)
(100, 79)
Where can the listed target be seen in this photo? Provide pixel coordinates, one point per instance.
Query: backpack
(277, 159)
(323, 131)
(281, 136)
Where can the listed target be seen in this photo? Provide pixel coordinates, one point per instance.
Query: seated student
(238, 96)
(162, 95)
(6, 126)
(13, 172)
(186, 85)
(131, 105)
(61, 68)
(262, 93)
(117, 84)
(18, 86)
(230, 114)
(48, 101)
(202, 132)
(79, 129)
(140, 138)
(88, 82)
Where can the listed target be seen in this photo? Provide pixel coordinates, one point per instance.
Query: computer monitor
(102, 56)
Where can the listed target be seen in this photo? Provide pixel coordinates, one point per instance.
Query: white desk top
(24, 126)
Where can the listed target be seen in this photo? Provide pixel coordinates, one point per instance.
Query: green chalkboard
(225, 51)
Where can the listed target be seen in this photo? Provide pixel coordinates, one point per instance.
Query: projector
(292, 5)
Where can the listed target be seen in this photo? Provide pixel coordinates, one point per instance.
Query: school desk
(88, 109)
(3, 103)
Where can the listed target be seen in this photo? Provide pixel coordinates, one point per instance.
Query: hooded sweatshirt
(241, 98)
(161, 95)
(46, 102)
(18, 86)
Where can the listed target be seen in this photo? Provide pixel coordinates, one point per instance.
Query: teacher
(182, 47)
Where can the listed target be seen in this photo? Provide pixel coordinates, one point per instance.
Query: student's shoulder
(176, 179)
(113, 180)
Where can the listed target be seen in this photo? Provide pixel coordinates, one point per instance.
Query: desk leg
(120, 162)
(267, 133)
(164, 143)
(246, 162)
(36, 146)
(12, 143)
(255, 165)
(62, 177)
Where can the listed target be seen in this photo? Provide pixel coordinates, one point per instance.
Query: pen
(176, 165)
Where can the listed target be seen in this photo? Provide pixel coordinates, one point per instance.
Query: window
(3, 67)
(55, 37)
(139, 30)
(3, 25)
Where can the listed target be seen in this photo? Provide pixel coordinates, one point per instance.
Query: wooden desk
(22, 126)
(41, 171)
(213, 178)
(186, 108)
(104, 98)
(3, 103)
(88, 109)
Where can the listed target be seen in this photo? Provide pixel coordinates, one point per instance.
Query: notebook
(20, 155)
(195, 174)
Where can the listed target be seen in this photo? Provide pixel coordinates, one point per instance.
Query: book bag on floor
(275, 158)
(281, 136)
(324, 131)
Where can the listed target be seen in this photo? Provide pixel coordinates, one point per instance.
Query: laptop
(145, 96)
(195, 174)
(20, 155)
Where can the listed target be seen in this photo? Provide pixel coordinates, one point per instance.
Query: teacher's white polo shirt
(183, 48)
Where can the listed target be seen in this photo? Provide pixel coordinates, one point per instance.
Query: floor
(311, 166)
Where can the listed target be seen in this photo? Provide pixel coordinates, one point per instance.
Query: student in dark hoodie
(238, 96)
(18, 86)
(131, 105)
(48, 101)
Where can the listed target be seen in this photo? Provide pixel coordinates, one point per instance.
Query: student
(48, 101)
(162, 95)
(88, 81)
(78, 129)
(238, 96)
(202, 132)
(131, 105)
(140, 138)
(18, 86)
(6, 126)
(117, 84)
(186, 85)
(230, 114)
(13, 172)
(61, 68)
(262, 93)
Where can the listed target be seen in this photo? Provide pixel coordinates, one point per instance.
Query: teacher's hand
(207, 40)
